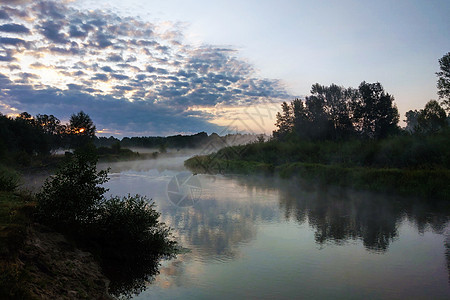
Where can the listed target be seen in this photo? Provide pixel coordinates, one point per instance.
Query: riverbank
(406, 165)
(38, 263)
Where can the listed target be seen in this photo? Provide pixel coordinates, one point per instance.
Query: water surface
(261, 238)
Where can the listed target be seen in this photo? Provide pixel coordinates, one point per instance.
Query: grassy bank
(407, 165)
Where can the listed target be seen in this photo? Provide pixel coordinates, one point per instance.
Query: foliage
(81, 129)
(411, 120)
(443, 83)
(341, 162)
(375, 114)
(9, 179)
(124, 233)
(336, 113)
(131, 241)
(431, 118)
(71, 198)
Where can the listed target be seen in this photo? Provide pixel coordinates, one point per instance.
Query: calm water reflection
(262, 238)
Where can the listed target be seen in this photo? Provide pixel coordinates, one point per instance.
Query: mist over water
(257, 237)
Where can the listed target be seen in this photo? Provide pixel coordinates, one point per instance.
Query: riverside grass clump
(123, 233)
(403, 164)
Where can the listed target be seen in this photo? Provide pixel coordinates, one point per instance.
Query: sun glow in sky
(166, 67)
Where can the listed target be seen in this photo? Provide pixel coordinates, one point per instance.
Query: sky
(147, 67)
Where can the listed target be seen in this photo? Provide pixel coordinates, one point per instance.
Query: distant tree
(52, 129)
(26, 116)
(319, 123)
(375, 113)
(49, 123)
(411, 120)
(81, 129)
(443, 83)
(431, 118)
(336, 102)
(284, 121)
(81, 124)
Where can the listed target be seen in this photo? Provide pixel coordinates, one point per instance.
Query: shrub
(130, 241)
(9, 180)
(124, 233)
(71, 197)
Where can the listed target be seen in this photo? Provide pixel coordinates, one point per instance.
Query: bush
(130, 241)
(72, 197)
(9, 180)
(123, 233)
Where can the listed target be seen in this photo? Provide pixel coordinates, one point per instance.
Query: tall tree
(336, 106)
(431, 118)
(81, 124)
(411, 120)
(284, 121)
(81, 129)
(443, 83)
(375, 113)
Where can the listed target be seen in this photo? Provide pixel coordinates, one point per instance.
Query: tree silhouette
(431, 118)
(81, 129)
(376, 114)
(443, 83)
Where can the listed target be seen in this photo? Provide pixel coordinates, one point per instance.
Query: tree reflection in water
(339, 215)
(216, 227)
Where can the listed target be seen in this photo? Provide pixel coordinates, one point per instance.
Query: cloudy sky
(147, 67)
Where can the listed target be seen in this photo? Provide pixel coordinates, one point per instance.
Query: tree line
(27, 136)
(335, 113)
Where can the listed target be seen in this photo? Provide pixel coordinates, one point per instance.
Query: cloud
(100, 76)
(6, 55)
(14, 42)
(52, 31)
(16, 28)
(108, 63)
(4, 15)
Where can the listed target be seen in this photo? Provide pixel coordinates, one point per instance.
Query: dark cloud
(50, 9)
(157, 79)
(100, 76)
(7, 55)
(75, 32)
(115, 58)
(102, 40)
(14, 42)
(132, 118)
(4, 15)
(52, 31)
(15, 28)
(107, 69)
(119, 76)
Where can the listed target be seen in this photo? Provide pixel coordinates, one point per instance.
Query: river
(254, 237)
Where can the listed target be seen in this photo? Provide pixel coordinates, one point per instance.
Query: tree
(284, 122)
(50, 124)
(82, 125)
(81, 129)
(431, 118)
(336, 108)
(375, 113)
(71, 198)
(443, 83)
(411, 120)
